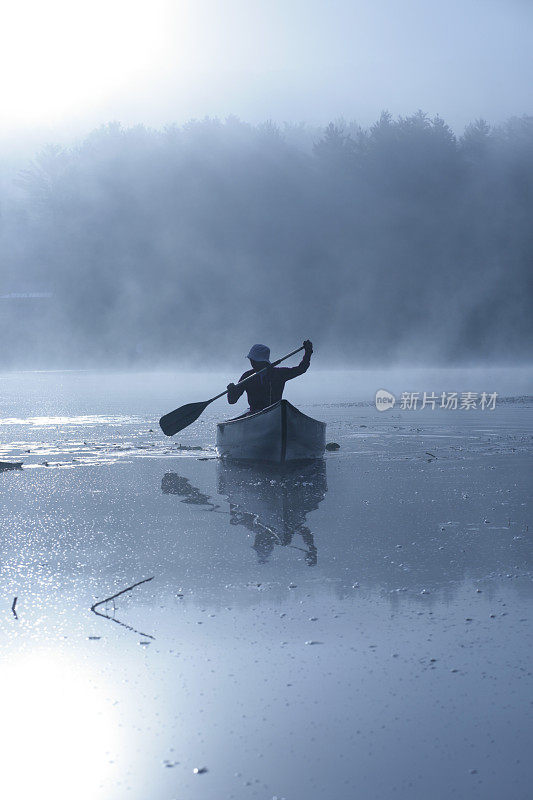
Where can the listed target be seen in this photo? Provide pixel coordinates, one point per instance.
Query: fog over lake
(397, 243)
(320, 590)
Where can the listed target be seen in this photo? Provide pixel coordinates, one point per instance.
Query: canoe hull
(278, 434)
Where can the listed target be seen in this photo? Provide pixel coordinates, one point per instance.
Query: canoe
(278, 434)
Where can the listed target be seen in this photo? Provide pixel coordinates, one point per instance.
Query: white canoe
(278, 434)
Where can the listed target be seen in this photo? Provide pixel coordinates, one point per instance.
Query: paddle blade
(182, 417)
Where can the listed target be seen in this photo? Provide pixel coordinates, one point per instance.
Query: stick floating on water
(127, 589)
(113, 596)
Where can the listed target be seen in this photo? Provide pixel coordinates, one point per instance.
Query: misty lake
(361, 627)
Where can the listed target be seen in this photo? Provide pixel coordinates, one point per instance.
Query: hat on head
(259, 352)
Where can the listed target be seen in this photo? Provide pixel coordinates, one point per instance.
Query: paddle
(185, 415)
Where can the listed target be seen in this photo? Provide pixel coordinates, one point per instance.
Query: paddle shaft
(249, 378)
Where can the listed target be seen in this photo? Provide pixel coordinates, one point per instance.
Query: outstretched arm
(303, 366)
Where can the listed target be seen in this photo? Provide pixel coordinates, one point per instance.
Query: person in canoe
(267, 388)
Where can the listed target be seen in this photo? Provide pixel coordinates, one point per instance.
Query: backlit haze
(181, 179)
(69, 66)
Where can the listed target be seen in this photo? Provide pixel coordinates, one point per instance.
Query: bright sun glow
(57, 730)
(61, 57)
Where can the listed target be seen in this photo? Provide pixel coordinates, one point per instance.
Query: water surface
(356, 628)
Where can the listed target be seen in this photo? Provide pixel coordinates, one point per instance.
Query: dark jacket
(267, 388)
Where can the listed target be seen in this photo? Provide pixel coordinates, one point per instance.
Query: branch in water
(113, 596)
(128, 589)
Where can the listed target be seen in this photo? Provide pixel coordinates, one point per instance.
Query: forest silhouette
(400, 241)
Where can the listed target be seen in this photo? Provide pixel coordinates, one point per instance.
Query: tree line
(188, 244)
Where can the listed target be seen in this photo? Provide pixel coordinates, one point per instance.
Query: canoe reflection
(273, 503)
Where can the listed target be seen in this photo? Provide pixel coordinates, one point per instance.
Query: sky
(67, 66)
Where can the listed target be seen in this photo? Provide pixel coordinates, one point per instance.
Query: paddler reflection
(273, 503)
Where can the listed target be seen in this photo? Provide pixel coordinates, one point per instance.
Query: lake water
(357, 628)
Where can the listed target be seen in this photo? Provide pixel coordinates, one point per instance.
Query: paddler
(267, 388)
